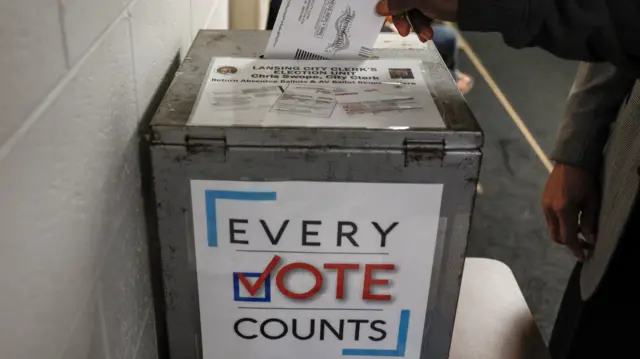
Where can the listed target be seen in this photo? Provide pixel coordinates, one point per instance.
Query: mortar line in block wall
(103, 325)
(36, 114)
(133, 60)
(65, 45)
(96, 284)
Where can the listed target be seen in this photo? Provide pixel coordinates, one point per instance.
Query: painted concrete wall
(76, 78)
(249, 14)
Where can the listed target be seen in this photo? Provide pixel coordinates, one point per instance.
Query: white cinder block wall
(75, 78)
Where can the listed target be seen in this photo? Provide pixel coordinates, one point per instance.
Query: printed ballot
(324, 30)
(316, 93)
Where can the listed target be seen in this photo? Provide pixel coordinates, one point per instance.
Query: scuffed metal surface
(175, 166)
(181, 153)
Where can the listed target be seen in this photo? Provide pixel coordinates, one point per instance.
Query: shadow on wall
(150, 210)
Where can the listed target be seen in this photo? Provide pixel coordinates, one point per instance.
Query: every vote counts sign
(312, 269)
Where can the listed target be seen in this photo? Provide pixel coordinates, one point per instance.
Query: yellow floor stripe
(464, 45)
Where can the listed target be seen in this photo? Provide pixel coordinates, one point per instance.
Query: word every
(345, 231)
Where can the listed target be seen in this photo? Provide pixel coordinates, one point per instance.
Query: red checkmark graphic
(253, 289)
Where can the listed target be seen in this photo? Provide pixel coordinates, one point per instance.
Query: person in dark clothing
(591, 198)
(593, 31)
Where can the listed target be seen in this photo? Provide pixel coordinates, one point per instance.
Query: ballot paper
(324, 29)
(316, 93)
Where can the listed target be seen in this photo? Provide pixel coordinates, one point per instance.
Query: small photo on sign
(397, 74)
(227, 70)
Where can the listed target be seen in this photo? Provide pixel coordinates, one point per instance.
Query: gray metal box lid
(169, 126)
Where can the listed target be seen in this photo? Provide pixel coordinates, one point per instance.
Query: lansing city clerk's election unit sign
(313, 270)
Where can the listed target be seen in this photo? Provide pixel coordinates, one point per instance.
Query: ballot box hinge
(423, 151)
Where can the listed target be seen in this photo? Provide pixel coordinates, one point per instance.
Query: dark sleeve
(585, 30)
(596, 96)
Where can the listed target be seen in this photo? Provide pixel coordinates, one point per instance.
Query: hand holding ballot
(418, 14)
(340, 29)
(318, 70)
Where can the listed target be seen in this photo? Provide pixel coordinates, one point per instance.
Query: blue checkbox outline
(236, 288)
(401, 345)
(211, 196)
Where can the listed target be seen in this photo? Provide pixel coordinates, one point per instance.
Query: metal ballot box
(315, 240)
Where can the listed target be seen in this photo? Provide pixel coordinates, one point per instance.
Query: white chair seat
(493, 320)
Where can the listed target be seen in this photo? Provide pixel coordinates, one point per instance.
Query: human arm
(585, 30)
(592, 105)
(571, 199)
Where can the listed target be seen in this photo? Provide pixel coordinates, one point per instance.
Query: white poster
(389, 94)
(313, 270)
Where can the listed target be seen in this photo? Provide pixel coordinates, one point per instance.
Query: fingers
(563, 229)
(402, 24)
(571, 204)
(421, 25)
(562, 222)
(414, 18)
(553, 225)
(568, 220)
(400, 10)
(394, 7)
